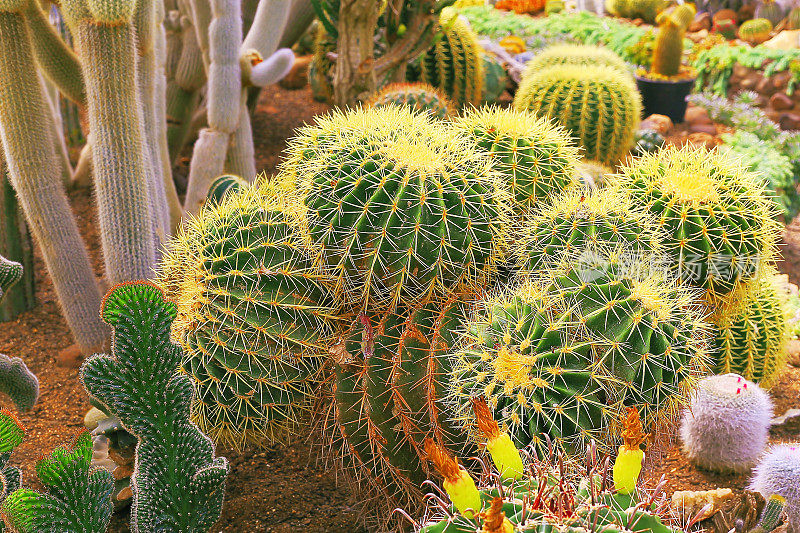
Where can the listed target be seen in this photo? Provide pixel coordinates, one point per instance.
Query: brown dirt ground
(281, 488)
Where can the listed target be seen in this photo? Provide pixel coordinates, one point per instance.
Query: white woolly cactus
(727, 424)
(778, 472)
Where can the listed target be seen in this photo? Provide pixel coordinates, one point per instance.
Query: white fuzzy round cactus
(778, 472)
(727, 424)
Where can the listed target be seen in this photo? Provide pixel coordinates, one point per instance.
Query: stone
(790, 121)
(702, 21)
(793, 352)
(660, 123)
(703, 128)
(785, 40)
(697, 115)
(297, 78)
(781, 80)
(781, 102)
(697, 36)
(751, 80)
(765, 87)
(705, 140)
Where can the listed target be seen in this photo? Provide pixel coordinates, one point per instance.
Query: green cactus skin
(401, 208)
(15, 243)
(536, 158)
(668, 51)
(419, 96)
(390, 382)
(10, 274)
(78, 498)
(772, 515)
(562, 355)
(719, 224)
(755, 31)
(19, 383)
(34, 173)
(770, 10)
(254, 317)
(11, 435)
(600, 106)
(455, 63)
(572, 54)
(124, 187)
(225, 185)
(580, 218)
(177, 483)
(495, 79)
(751, 335)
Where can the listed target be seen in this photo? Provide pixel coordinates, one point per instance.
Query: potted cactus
(666, 85)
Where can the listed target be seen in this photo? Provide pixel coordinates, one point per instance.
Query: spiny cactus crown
(419, 96)
(573, 54)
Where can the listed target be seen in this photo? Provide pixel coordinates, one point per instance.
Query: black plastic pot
(664, 97)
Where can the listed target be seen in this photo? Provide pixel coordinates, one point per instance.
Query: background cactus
(778, 472)
(420, 96)
(646, 10)
(751, 334)
(719, 224)
(16, 244)
(11, 435)
(581, 218)
(755, 31)
(600, 106)
(535, 158)
(770, 10)
(648, 141)
(19, 383)
(78, 497)
(454, 64)
(177, 482)
(225, 185)
(253, 315)
(561, 355)
(573, 54)
(371, 177)
(10, 274)
(726, 426)
(793, 19)
(668, 51)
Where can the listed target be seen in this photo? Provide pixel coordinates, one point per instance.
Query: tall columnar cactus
(668, 51)
(599, 105)
(778, 472)
(455, 63)
(581, 218)
(19, 383)
(390, 382)
(11, 435)
(420, 96)
(726, 426)
(561, 355)
(402, 208)
(253, 316)
(751, 333)
(131, 203)
(720, 226)
(573, 54)
(535, 158)
(78, 498)
(25, 130)
(177, 483)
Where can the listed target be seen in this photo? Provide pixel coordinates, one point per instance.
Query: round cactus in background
(755, 31)
(575, 54)
(419, 96)
(751, 333)
(599, 105)
(778, 472)
(536, 158)
(726, 426)
(223, 186)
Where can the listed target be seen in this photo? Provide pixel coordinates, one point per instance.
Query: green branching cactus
(561, 355)
(455, 63)
(11, 435)
(719, 224)
(25, 130)
(178, 485)
(401, 208)
(536, 158)
(668, 52)
(19, 383)
(581, 218)
(572, 54)
(253, 316)
(10, 274)
(78, 498)
(420, 96)
(751, 335)
(600, 106)
(129, 206)
(390, 382)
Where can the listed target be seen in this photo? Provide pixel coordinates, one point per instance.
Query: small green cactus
(536, 158)
(225, 185)
(420, 96)
(573, 54)
(648, 141)
(668, 52)
(755, 31)
(10, 274)
(600, 106)
(19, 383)
(11, 435)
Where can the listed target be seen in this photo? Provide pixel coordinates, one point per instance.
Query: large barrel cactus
(599, 105)
(536, 158)
(751, 336)
(720, 225)
(401, 208)
(562, 355)
(575, 54)
(253, 315)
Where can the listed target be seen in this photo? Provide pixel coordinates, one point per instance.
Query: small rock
(697, 115)
(702, 21)
(697, 36)
(790, 121)
(751, 80)
(781, 102)
(93, 417)
(765, 87)
(785, 40)
(705, 140)
(298, 76)
(781, 80)
(660, 123)
(637, 22)
(70, 357)
(793, 352)
(703, 128)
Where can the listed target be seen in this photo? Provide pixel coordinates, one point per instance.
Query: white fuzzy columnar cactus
(778, 472)
(727, 424)
(124, 187)
(25, 129)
